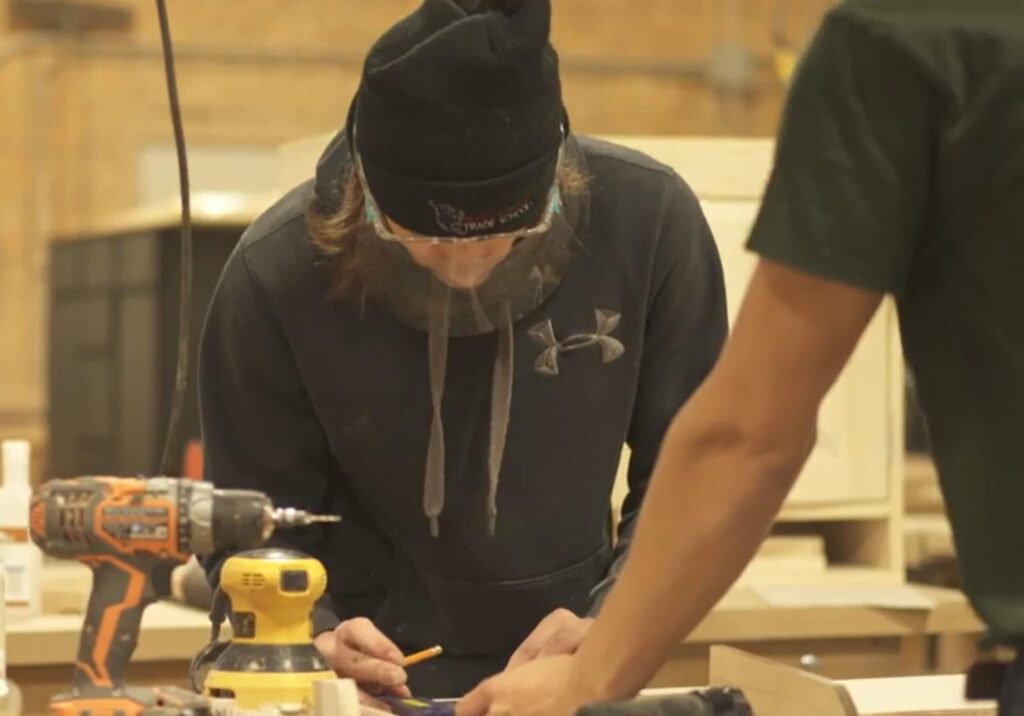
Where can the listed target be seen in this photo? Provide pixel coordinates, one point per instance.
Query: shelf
(836, 512)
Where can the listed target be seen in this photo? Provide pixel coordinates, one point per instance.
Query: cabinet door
(850, 462)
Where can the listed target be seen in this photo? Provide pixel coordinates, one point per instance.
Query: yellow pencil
(422, 656)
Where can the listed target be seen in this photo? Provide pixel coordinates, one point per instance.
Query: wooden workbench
(845, 641)
(42, 650)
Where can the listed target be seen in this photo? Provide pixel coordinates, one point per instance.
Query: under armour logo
(544, 333)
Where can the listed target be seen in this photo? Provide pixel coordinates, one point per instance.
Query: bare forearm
(706, 512)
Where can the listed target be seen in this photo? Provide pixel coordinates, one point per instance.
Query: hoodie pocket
(493, 618)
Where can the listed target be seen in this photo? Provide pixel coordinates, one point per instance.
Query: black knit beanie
(459, 117)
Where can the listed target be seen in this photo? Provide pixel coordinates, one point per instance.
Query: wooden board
(841, 658)
(777, 690)
(915, 695)
(743, 615)
(783, 558)
(169, 631)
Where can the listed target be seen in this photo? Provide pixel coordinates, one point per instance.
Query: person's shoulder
(281, 223)
(951, 41)
(623, 174)
(650, 195)
(607, 157)
(276, 249)
(929, 17)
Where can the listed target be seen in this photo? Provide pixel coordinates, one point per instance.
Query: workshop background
(87, 138)
(89, 276)
(86, 132)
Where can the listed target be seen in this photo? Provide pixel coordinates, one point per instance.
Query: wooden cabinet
(849, 492)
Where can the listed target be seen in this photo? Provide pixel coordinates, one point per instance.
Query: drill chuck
(229, 519)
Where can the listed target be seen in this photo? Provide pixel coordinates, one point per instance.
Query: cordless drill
(132, 533)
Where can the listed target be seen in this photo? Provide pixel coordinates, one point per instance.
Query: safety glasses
(376, 219)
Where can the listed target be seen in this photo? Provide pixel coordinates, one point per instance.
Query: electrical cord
(172, 443)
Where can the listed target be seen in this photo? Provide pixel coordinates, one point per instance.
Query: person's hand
(545, 687)
(559, 634)
(357, 650)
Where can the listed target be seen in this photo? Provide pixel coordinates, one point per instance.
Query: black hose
(172, 443)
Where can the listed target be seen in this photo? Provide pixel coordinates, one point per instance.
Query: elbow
(764, 448)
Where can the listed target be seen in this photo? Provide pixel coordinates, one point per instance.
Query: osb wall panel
(221, 103)
(663, 29)
(114, 104)
(22, 250)
(117, 103)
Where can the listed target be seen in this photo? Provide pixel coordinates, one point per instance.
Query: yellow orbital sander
(270, 659)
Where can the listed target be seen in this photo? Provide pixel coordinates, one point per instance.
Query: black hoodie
(325, 405)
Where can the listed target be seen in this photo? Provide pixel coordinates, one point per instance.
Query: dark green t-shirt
(900, 169)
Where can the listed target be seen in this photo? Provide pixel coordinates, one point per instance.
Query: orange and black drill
(132, 533)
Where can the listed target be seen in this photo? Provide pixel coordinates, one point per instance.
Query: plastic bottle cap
(16, 454)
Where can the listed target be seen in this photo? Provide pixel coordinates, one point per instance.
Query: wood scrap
(774, 689)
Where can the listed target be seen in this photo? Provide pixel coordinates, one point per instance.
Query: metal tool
(290, 517)
(270, 660)
(132, 533)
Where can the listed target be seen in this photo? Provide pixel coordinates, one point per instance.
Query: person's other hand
(357, 650)
(545, 687)
(560, 633)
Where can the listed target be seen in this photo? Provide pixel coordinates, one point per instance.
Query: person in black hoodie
(446, 337)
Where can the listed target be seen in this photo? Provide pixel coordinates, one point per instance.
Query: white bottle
(22, 561)
(10, 694)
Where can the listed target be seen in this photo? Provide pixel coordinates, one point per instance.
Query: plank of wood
(336, 697)
(776, 690)
(883, 597)
(169, 632)
(784, 557)
(744, 616)
(864, 657)
(915, 695)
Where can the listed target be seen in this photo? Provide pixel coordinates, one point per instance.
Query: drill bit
(291, 517)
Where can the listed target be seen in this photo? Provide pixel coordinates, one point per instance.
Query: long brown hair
(332, 231)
